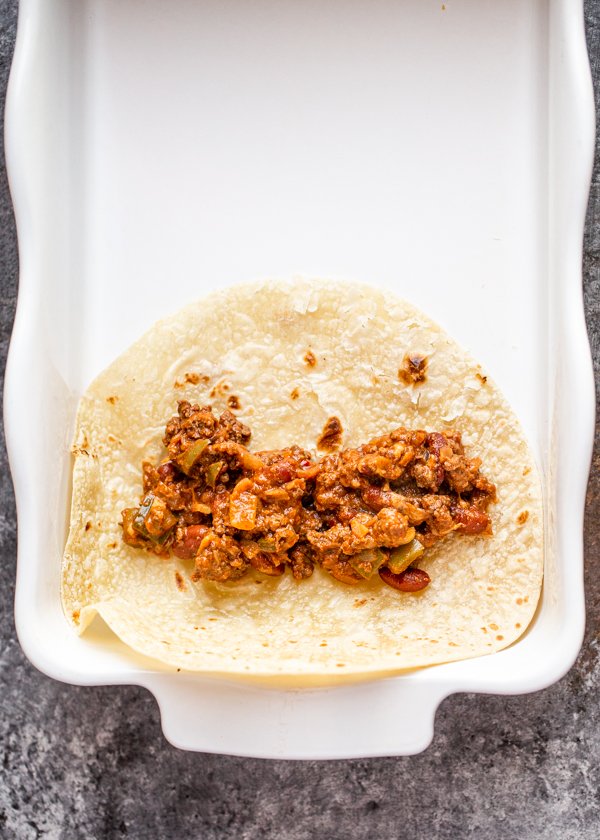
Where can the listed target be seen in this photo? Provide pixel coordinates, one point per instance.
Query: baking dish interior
(158, 151)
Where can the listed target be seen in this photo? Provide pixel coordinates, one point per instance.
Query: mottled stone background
(92, 762)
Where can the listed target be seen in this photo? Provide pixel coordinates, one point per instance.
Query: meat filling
(356, 512)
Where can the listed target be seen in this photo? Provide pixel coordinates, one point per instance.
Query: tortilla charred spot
(526, 470)
(180, 581)
(233, 402)
(331, 436)
(75, 615)
(295, 394)
(413, 370)
(191, 379)
(81, 449)
(481, 377)
(88, 525)
(219, 390)
(523, 517)
(112, 400)
(360, 602)
(310, 358)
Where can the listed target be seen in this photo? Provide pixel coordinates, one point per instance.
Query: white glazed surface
(156, 152)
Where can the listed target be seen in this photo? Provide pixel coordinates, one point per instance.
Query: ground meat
(439, 521)
(219, 558)
(213, 502)
(327, 544)
(301, 561)
(390, 528)
(192, 423)
(220, 511)
(230, 428)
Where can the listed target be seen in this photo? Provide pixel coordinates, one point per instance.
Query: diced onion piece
(243, 486)
(199, 507)
(130, 534)
(242, 511)
(409, 536)
(310, 472)
(359, 528)
(249, 461)
(277, 494)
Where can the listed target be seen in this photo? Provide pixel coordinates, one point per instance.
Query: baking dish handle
(389, 717)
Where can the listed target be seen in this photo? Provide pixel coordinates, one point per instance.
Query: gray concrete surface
(79, 763)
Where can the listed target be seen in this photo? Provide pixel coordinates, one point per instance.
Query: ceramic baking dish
(157, 151)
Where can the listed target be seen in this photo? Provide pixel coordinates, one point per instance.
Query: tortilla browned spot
(331, 436)
(413, 370)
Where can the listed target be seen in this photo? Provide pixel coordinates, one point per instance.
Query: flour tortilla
(251, 342)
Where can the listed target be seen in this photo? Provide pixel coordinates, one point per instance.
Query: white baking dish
(159, 150)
